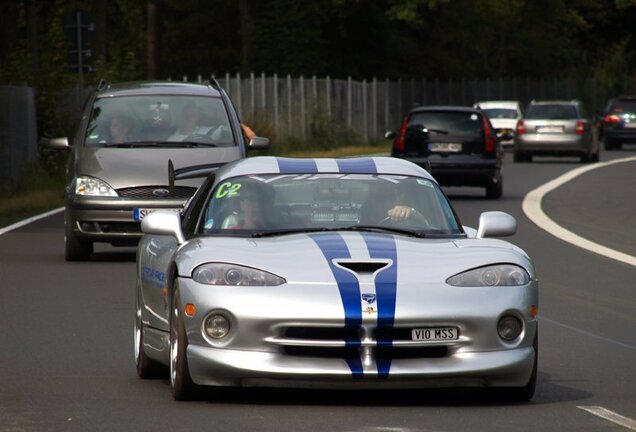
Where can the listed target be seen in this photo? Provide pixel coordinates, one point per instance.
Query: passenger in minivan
(120, 129)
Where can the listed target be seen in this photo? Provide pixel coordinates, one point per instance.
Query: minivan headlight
(232, 274)
(492, 275)
(92, 186)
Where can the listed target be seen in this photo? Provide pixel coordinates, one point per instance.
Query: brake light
(490, 143)
(521, 128)
(580, 128)
(399, 141)
(612, 119)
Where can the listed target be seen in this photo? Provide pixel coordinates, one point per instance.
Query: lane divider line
(532, 208)
(30, 220)
(611, 416)
(586, 333)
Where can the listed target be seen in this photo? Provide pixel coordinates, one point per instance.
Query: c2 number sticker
(228, 189)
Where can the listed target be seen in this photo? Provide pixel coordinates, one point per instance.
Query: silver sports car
(332, 273)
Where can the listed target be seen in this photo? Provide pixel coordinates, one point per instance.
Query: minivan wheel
(495, 189)
(74, 248)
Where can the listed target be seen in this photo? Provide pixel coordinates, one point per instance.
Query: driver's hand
(400, 213)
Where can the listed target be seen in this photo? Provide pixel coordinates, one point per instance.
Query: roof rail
(102, 84)
(214, 83)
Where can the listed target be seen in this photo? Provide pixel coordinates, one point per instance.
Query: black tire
(146, 367)
(495, 189)
(525, 393)
(183, 388)
(74, 248)
(521, 157)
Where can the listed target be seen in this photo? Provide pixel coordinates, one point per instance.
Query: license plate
(140, 213)
(445, 147)
(435, 334)
(630, 125)
(550, 129)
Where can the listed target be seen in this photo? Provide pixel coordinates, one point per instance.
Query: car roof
(498, 104)
(458, 108)
(141, 88)
(357, 165)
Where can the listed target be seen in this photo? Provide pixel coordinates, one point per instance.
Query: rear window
(454, 122)
(552, 112)
(624, 106)
(500, 113)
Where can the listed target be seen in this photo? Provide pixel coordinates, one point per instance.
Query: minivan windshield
(159, 120)
(274, 204)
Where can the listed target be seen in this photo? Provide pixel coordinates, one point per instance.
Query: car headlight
(85, 185)
(232, 274)
(492, 275)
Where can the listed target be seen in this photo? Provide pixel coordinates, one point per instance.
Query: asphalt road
(66, 355)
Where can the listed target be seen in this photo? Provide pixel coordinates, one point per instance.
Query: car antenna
(102, 84)
(214, 83)
(170, 176)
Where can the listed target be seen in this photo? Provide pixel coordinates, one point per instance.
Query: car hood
(127, 167)
(312, 258)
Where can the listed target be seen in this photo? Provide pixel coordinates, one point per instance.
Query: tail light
(580, 128)
(491, 142)
(399, 141)
(610, 119)
(521, 128)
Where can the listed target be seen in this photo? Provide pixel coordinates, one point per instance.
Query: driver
(189, 124)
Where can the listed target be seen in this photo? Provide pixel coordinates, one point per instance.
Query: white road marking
(532, 208)
(30, 220)
(611, 416)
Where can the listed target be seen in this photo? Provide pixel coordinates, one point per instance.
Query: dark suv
(618, 124)
(458, 143)
(129, 141)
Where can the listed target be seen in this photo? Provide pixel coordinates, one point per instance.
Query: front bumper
(111, 219)
(261, 351)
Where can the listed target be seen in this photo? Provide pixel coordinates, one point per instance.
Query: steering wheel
(415, 216)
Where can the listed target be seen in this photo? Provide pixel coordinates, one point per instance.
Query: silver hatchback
(555, 128)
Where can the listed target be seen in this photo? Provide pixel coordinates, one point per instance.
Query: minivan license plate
(445, 147)
(140, 213)
(435, 334)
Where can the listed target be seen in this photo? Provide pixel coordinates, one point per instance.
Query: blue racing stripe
(333, 246)
(383, 247)
(297, 166)
(357, 166)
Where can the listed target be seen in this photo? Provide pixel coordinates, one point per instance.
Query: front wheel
(75, 249)
(183, 388)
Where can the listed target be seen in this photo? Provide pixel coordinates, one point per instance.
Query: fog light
(217, 326)
(509, 328)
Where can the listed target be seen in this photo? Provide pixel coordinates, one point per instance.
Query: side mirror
(163, 223)
(259, 143)
(59, 143)
(390, 135)
(496, 224)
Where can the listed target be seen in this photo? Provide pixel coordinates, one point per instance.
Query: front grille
(346, 343)
(179, 192)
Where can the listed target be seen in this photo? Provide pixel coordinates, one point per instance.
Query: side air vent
(363, 266)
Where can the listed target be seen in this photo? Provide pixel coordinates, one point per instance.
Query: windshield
(453, 122)
(159, 120)
(552, 112)
(276, 204)
(500, 113)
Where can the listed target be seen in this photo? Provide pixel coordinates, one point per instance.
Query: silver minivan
(130, 141)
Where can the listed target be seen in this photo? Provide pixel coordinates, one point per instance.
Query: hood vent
(363, 266)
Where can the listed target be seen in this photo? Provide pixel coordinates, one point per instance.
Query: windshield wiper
(144, 144)
(371, 228)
